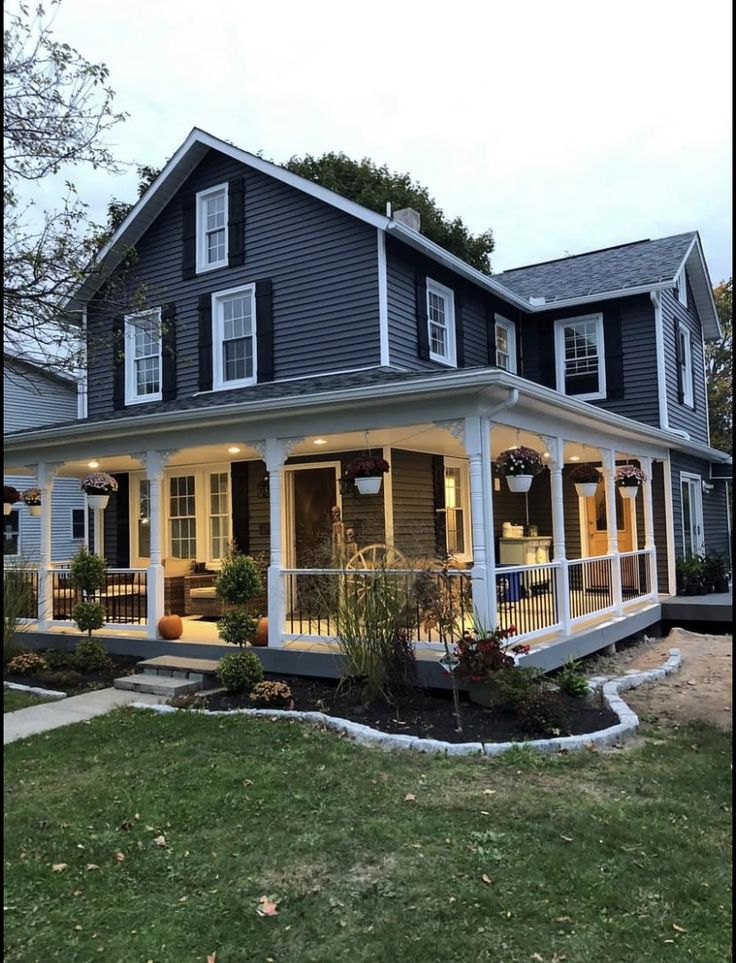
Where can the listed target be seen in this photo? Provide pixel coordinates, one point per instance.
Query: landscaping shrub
(19, 602)
(26, 663)
(88, 572)
(237, 627)
(88, 616)
(543, 714)
(91, 656)
(572, 680)
(240, 579)
(188, 700)
(65, 680)
(60, 659)
(272, 695)
(515, 684)
(240, 670)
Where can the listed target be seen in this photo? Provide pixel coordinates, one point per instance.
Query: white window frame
(201, 228)
(84, 524)
(510, 328)
(218, 383)
(686, 365)
(462, 464)
(19, 515)
(681, 287)
(448, 296)
(228, 516)
(131, 386)
(560, 326)
(696, 488)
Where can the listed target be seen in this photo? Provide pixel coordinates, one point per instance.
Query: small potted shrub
(11, 496)
(239, 581)
(272, 695)
(98, 487)
(586, 479)
(31, 498)
(480, 656)
(367, 472)
(88, 572)
(240, 670)
(88, 616)
(629, 480)
(715, 572)
(519, 466)
(690, 574)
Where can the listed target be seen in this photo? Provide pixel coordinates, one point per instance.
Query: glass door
(692, 514)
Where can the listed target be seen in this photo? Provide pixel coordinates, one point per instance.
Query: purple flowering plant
(519, 461)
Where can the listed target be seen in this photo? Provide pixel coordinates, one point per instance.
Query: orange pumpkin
(170, 626)
(262, 633)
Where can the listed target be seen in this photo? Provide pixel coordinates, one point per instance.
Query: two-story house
(268, 330)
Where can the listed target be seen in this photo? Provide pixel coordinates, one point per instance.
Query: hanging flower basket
(31, 497)
(629, 480)
(98, 487)
(519, 466)
(11, 496)
(367, 472)
(586, 479)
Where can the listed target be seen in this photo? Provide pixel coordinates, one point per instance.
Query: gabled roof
(628, 268)
(41, 368)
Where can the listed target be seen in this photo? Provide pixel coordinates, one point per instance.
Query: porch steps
(158, 685)
(171, 675)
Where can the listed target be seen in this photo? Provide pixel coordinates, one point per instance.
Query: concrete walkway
(52, 715)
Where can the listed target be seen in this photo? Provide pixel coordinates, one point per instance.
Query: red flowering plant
(367, 466)
(483, 653)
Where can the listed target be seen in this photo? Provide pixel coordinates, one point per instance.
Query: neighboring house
(285, 329)
(35, 396)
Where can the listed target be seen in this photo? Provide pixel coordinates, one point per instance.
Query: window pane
(182, 521)
(437, 340)
(11, 541)
(215, 246)
(454, 522)
(238, 359)
(219, 514)
(581, 357)
(147, 380)
(77, 524)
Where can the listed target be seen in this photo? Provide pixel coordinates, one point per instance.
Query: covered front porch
(551, 563)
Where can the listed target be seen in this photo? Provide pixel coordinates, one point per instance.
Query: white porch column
(276, 451)
(649, 544)
(556, 448)
(45, 474)
(477, 445)
(155, 462)
(99, 530)
(608, 460)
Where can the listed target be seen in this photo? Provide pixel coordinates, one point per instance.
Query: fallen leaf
(92, 866)
(160, 841)
(410, 797)
(537, 958)
(568, 839)
(119, 857)
(183, 899)
(562, 919)
(484, 812)
(268, 907)
(679, 929)
(486, 879)
(489, 792)
(211, 957)
(247, 782)
(59, 867)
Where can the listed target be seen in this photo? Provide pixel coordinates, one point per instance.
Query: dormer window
(441, 321)
(505, 333)
(212, 228)
(681, 287)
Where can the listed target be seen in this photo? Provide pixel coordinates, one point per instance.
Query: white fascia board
(599, 296)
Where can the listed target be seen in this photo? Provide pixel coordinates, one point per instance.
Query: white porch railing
(636, 575)
(528, 599)
(590, 587)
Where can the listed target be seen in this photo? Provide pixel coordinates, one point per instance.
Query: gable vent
(409, 217)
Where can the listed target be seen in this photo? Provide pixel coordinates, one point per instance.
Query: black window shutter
(122, 520)
(420, 284)
(678, 363)
(519, 347)
(236, 222)
(189, 236)
(440, 522)
(613, 345)
(491, 335)
(239, 482)
(168, 352)
(459, 333)
(546, 349)
(264, 330)
(118, 363)
(205, 342)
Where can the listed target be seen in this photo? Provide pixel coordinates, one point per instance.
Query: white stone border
(34, 690)
(614, 735)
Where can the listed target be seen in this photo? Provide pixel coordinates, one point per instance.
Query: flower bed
(72, 681)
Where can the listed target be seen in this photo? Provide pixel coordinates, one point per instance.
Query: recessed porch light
(94, 463)
(233, 449)
(574, 457)
(320, 441)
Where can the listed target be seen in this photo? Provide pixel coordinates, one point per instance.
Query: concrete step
(158, 685)
(175, 663)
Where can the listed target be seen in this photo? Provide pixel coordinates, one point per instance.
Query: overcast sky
(564, 126)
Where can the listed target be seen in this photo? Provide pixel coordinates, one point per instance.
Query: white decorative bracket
(455, 427)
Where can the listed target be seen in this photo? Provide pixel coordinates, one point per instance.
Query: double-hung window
(78, 526)
(219, 514)
(182, 516)
(143, 357)
(212, 228)
(441, 321)
(11, 534)
(580, 357)
(233, 337)
(685, 361)
(681, 287)
(505, 344)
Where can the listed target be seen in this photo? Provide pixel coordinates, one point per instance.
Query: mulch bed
(120, 665)
(426, 713)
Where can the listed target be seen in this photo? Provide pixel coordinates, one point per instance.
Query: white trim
(681, 286)
(686, 365)
(131, 395)
(463, 464)
(656, 299)
(448, 297)
(200, 231)
(560, 324)
(698, 517)
(705, 388)
(383, 299)
(499, 321)
(669, 512)
(388, 500)
(218, 382)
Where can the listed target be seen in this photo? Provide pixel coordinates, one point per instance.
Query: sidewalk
(65, 712)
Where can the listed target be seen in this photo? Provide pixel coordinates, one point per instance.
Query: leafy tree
(719, 366)
(373, 186)
(58, 109)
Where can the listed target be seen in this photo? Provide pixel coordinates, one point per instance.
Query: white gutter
(656, 299)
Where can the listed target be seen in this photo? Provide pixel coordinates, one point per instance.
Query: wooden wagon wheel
(376, 556)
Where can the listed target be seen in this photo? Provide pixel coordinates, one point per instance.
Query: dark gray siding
(414, 509)
(402, 265)
(259, 524)
(694, 421)
(715, 516)
(640, 398)
(323, 265)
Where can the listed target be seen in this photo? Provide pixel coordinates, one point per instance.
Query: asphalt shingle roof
(613, 269)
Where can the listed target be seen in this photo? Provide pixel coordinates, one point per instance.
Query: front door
(312, 494)
(692, 514)
(598, 523)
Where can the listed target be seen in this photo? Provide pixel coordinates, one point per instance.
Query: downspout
(656, 299)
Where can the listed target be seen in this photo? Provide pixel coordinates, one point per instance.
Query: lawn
(17, 699)
(139, 838)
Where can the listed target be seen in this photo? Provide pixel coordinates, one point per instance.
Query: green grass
(17, 699)
(594, 857)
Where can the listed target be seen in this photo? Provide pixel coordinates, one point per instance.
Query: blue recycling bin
(508, 585)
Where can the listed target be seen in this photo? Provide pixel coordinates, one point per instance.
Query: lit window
(579, 353)
(441, 322)
(505, 344)
(685, 363)
(182, 517)
(143, 357)
(456, 516)
(212, 228)
(233, 322)
(219, 514)
(11, 539)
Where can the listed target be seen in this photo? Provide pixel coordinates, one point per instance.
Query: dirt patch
(700, 691)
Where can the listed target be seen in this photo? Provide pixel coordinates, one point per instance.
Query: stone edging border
(614, 735)
(34, 690)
